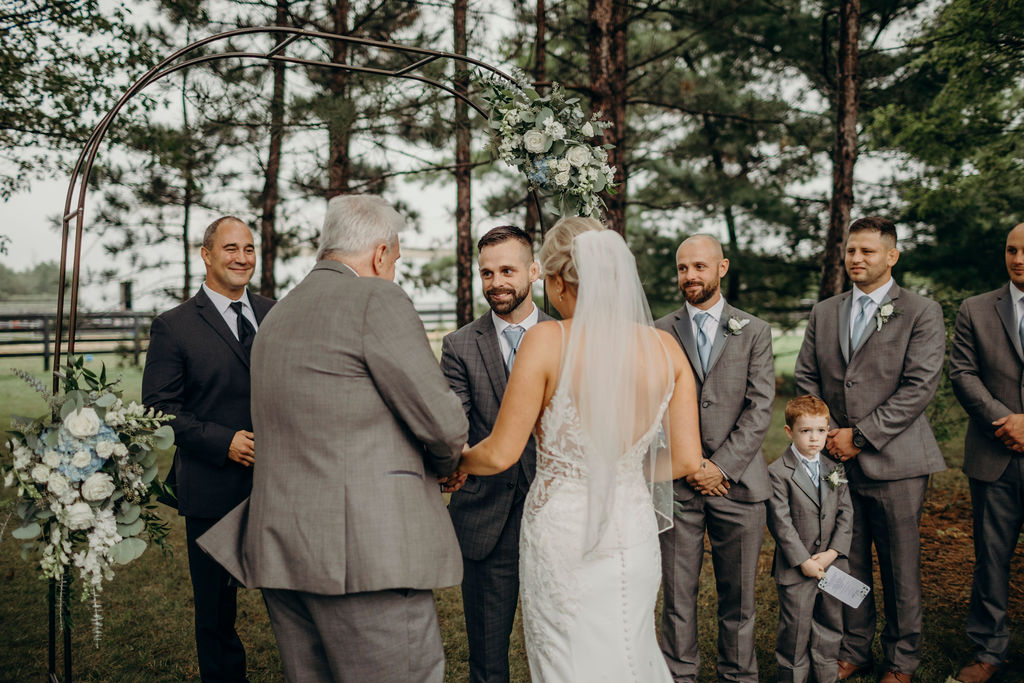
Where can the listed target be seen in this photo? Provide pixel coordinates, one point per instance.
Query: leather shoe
(895, 677)
(977, 672)
(848, 669)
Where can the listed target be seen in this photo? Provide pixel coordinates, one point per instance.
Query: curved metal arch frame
(83, 167)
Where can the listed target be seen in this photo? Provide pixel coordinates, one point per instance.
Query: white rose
(563, 165)
(105, 449)
(578, 156)
(51, 458)
(120, 450)
(40, 473)
(58, 484)
(82, 423)
(81, 459)
(536, 142)
(79, 515)
(587, 129)
(98, 486)
(562, 178)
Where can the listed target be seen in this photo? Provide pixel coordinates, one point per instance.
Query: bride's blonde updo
(556, 252)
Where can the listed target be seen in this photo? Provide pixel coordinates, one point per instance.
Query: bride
(614, 407)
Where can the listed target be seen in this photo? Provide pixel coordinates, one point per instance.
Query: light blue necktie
(860, 323)
(513, 335)
(812, 469)
(703, 341)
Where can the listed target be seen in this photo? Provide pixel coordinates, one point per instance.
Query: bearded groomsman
(987, 369)
(731, 355)
(875, 356)
(487, 511)
(197, 369)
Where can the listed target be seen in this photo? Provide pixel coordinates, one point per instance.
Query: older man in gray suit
(987, 368)
(731, 355)
(487, 511)
(875, 356)
(346, 531)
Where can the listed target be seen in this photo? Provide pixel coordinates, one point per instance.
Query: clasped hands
(708, 481)
(1010, 430)
(839, 444)
(814, 567)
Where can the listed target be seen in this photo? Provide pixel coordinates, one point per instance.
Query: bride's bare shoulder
(675, 351)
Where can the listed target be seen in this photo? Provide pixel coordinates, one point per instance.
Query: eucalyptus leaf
(558, 148)
(129, 513)
(527, 116)
(27, 532)
(132, 529)
(164, 437)
(106, 400)
(494, 124)
(544, 115)
(148, 459)
(149, 475)
(127, 550)
(52, 438)
(532, 94)
(599, 183)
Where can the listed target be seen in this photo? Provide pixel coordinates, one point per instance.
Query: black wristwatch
(859, 440)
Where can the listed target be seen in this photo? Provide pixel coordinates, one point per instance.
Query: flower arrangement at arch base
(84, 480)
(550, 140)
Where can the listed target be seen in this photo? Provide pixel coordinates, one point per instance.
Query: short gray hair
(356, 223)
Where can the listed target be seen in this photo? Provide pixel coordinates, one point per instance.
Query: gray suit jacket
(986, 365)
(471, 360)
(353, 420)
(805, 521)
(885, 386)
(735, 400)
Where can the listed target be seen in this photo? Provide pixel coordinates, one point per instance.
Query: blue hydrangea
(68, 445)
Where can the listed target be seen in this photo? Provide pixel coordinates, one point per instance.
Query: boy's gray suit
(487, 511)
(883, 389)
(986, 366)
(806, 521)
(735, 402)
(353, 423)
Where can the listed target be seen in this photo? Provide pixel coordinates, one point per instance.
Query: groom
(346, 531)
(487, 511)
(731, 355)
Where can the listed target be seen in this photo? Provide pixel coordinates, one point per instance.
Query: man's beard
(703, 294)
(506, 307)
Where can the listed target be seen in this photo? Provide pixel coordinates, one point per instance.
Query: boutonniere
(836, 477)
(734, 325)
(885, 313)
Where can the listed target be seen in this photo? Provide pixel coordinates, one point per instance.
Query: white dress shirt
(1018, 304)
(500, 325)
(223, 306)
(710, 322)
(807, 462)
(877, 297)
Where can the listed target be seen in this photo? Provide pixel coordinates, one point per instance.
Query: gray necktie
(860, 323)
(513, 335)
(703, 341)
(812, 470)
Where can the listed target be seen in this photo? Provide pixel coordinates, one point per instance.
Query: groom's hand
(709, 480)
(452, 482)
(242, 449)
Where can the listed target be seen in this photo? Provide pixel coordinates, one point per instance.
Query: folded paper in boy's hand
(844, 587)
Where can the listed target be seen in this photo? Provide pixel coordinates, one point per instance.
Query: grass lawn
(147, 608)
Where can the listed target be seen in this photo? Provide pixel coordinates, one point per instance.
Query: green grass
(147, 608)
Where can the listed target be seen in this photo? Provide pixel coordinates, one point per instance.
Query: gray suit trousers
(389, 636)
(736, 531)
(810, 630)
(887, 514)
(998, 516)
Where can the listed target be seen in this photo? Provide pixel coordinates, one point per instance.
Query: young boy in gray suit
(810, 515)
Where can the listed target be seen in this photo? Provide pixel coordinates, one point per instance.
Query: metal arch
(83, 167)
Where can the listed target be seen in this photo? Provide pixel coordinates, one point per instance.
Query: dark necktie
(246, 331)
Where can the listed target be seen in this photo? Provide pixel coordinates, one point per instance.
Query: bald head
(700, 267)
(1015, 255)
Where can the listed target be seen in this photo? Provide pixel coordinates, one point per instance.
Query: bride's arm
(684, 422)
(528, 384)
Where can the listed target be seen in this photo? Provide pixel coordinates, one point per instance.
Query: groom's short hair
(356, 223)
(503, 233)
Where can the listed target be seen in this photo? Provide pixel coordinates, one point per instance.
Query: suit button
(849, 384)
(509, 485)
(817, 543)
(705, 404)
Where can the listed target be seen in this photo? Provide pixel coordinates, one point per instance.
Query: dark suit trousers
(998, 516)
(887, 514)
(220, 652)
(810, 630)
(490, 591)
(736, 531)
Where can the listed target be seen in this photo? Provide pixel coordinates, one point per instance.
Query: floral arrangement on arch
(549, 139)
(84, 480)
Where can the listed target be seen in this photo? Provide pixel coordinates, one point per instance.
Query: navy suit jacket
(197, 371)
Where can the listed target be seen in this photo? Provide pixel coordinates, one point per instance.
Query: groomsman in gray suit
(346, 531)
(487, 511)
(731, 355)
(875, 356)
(987, 368)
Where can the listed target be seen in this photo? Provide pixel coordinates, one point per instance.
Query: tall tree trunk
(844, 155)
(269, 238)
(463, 171)
(732, 248)
(607, 34)
(187, 196)
(339, 163)
(540, 75)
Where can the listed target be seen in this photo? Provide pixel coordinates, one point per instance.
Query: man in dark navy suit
(197, 369)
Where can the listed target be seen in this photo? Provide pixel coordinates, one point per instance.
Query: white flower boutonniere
(735, 325)
(884, 314)
(836, 478)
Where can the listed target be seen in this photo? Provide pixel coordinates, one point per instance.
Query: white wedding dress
(589, 617)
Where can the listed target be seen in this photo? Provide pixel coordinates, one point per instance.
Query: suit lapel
(801, 478)
(490, 352)
(1004, 306)
(721, 335)
(890, 298)
(684, 332)
(844, 325)
(209, 313)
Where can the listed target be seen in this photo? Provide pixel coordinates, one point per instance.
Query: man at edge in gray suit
(487, 511)
(986, 366)
(731, 355)
(875, 356)
(346, 531)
